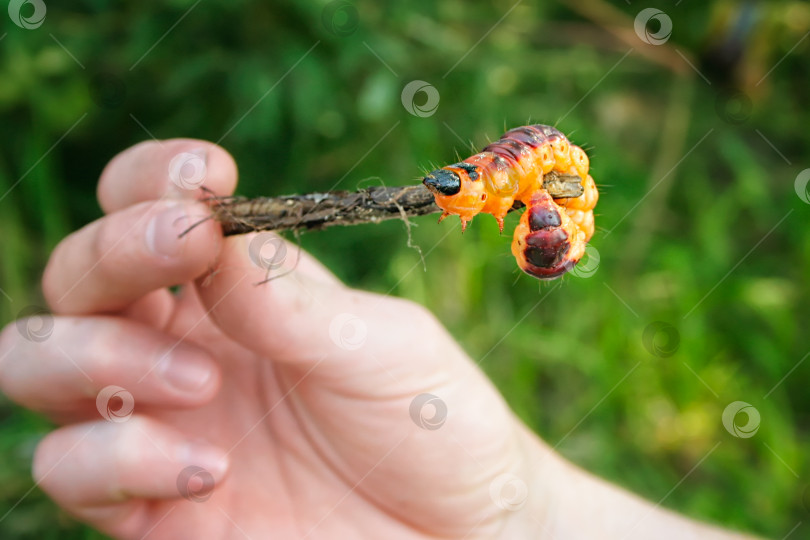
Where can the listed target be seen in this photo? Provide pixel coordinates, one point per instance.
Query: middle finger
(64, 373)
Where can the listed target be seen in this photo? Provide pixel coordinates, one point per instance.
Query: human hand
(305, 402)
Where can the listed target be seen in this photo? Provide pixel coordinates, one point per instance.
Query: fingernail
(164, 229)
(203, 455)
(185, 371)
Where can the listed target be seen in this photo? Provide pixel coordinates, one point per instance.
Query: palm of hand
(326, 445)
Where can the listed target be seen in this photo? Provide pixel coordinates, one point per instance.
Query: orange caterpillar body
(552, 233)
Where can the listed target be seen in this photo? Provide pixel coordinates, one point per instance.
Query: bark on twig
(239, 215)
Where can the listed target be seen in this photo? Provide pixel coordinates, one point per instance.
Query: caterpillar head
(443, 182)
(458, 190)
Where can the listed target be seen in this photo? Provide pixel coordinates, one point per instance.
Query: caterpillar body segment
(547, 242)
(511, 169)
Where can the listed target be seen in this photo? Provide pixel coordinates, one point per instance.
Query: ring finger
(91, 366)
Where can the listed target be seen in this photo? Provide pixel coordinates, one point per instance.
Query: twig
(240, 215)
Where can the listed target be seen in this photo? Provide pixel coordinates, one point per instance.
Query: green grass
(699, 226)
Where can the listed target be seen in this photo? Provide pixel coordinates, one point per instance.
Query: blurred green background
(698, 297)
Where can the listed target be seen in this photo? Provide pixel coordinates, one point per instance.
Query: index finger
(175, 168)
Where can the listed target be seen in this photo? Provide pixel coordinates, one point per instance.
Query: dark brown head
(443, 182)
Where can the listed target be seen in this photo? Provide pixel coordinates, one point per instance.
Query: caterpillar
(551, 236)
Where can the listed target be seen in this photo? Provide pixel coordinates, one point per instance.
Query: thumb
(305, 316)
(377, 378)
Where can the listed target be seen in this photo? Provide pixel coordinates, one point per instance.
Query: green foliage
(698, 223)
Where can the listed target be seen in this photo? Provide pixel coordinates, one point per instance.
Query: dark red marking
(542, 216)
